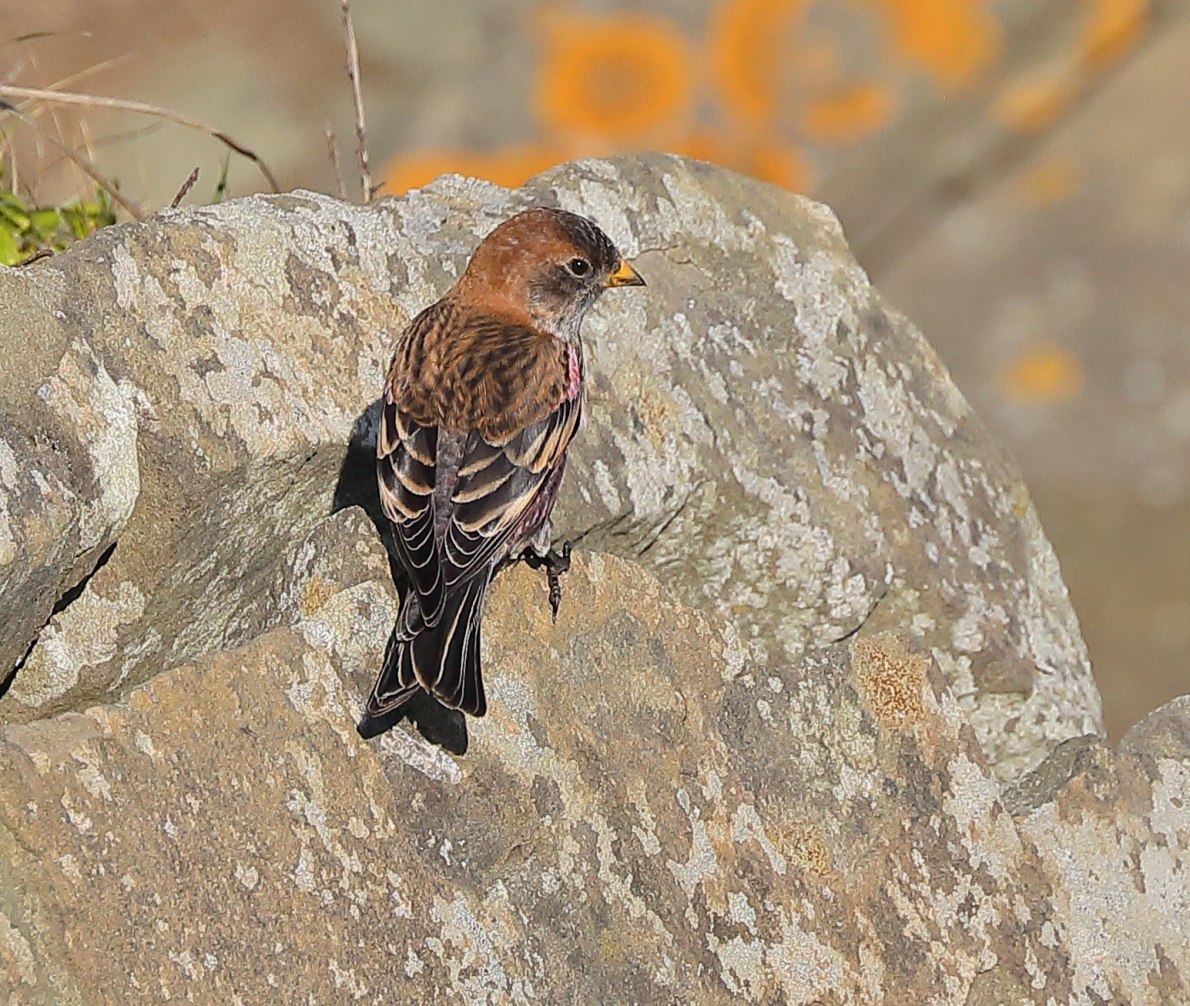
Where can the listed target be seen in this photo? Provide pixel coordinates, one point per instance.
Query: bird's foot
(554, 563)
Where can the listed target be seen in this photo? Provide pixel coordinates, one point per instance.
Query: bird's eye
(578, 266)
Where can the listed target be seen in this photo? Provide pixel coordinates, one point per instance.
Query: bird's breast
(574, 371)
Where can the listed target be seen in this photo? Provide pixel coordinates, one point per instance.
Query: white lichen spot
(476, 970)
(414, 965)
(303, 871)
(70, 868)
(972, 801)
(746, 826)
(83, 393)
(346, 979)
(695, 215)
(701, 863)
(735, 654)
(16, 951)
(8, 466)
(8, 481)
(85, 634)
(419, 754)
(185, 960)
(402, 906)
(247, 876)
(741, 912)
(802, 964)
(608, 494)
(742, 965)
(92, 779)
(77, 818)
(144, 744)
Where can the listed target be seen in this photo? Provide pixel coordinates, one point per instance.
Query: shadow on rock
(357, 476)
(446, 728)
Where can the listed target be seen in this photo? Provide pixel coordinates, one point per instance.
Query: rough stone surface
(1109, 826)
(771, 440)
(69, 477)
(648, 814)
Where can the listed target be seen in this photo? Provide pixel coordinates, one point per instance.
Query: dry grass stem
(88, 169)
(186, 187)
(33, 36)
(332, 149)
(82, 163)
(361, 130)
(95, 101)
(90, 71)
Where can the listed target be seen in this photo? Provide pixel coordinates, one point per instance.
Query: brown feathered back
(461, 371)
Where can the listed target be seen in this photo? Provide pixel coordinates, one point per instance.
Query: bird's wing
(497, 486)
(406, 463)
(506, 386)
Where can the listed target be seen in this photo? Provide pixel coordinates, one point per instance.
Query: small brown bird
(484, 394)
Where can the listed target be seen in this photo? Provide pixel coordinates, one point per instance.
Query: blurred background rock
(1014, 174)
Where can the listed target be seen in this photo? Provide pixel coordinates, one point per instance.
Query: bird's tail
(390, 694)
(442, 659)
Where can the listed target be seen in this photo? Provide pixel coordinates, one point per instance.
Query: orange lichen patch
(1048, 182)
(508, 166)
(618, 77)
(803, 845)
(314, 595)
(779, 165)
(1114, 29)
(701, 146)
(857, 111)
(775, 163)
(892, 679)
(412, 171)
(952, 40)
(1031, 106)
(1043, 373)
(748, 46)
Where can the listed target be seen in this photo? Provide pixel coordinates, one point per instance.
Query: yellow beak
(624, 275)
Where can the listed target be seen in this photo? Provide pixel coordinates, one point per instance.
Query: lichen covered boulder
(765, 434)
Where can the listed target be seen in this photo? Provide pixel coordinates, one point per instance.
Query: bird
(483, 397)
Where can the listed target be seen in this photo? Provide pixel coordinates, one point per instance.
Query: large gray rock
(648, 814)
(69, 476)
(765, 434)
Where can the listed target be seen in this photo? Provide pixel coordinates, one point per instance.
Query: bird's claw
(558, 562)
(554, 563)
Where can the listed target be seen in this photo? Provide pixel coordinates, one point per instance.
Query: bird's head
(549, 265)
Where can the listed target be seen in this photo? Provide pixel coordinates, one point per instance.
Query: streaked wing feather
(488, 504)
(405, 463)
